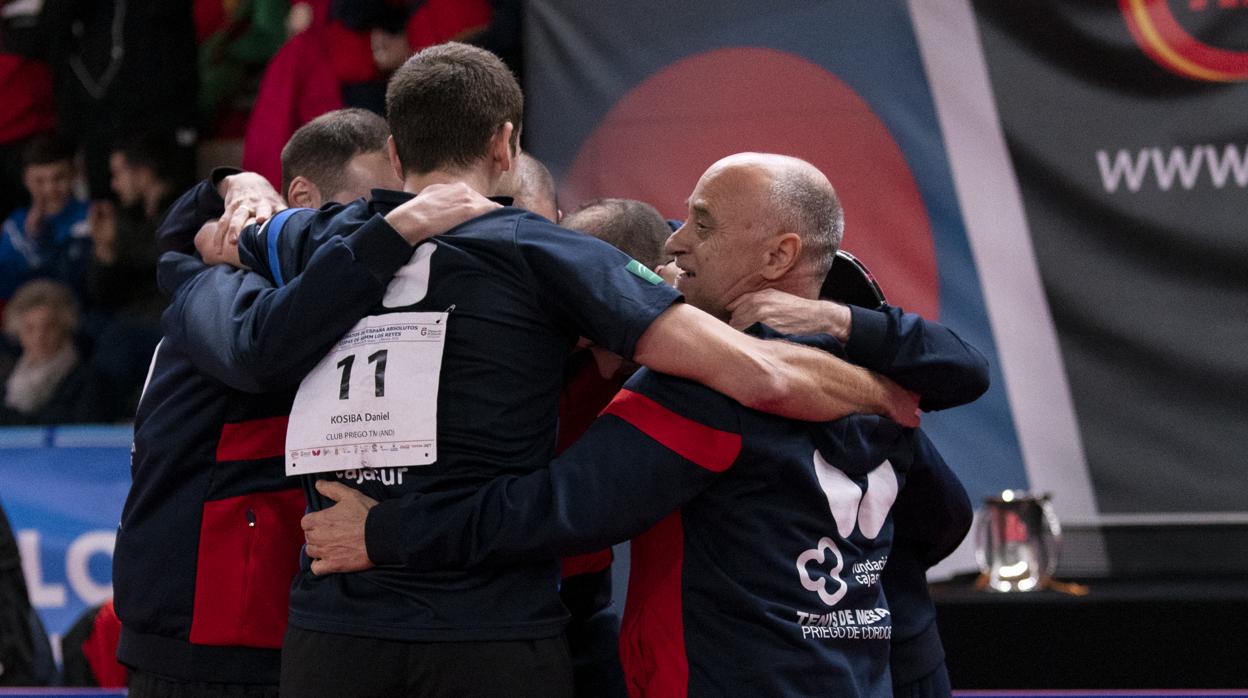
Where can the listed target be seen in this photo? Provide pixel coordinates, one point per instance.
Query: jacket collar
(386, 200)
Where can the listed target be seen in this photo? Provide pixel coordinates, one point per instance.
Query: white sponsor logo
(819, 586)
(852, 508)
(386, 476)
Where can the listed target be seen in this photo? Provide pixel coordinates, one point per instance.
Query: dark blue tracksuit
(760, 572)
(209, 536)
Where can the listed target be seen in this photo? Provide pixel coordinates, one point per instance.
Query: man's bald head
(532, 187)
(800, 200)
(756, 221)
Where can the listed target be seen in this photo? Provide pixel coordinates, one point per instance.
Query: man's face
(719, 248)
(40, 334)
(126, 180)
(50, 185)
(365, 172)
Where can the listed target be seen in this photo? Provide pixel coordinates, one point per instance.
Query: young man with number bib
(453, 379)
(209, 537)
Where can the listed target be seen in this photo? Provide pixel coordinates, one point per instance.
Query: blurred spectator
(236, 40)
(303, 81)
(25, 92)
(122, 275)
(50, 237)
(89, 650)
(120, 68)
(121, 279)
(49, 384)
(343, 59)
(25, 655)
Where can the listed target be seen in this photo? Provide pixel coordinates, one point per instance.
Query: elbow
(251, 371)
(975, 374)
(980, 375)
(978, 381)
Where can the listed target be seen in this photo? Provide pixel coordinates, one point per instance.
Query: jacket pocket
(248, 555)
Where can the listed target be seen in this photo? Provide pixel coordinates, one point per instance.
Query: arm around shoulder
(921, 355)
(773, 376)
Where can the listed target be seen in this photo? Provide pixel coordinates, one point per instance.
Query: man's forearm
(241, 330)
(612, 484)
(777, 377)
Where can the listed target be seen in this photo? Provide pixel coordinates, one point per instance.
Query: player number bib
(372, 402)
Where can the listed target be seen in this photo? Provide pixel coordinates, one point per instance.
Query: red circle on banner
(1163, 39)
(659, 138)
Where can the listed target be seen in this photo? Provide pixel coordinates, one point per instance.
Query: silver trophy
(1017, 541)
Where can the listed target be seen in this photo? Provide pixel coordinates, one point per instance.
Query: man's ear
(782, 255)
(303, 194)
(392, 152)
(501, 155)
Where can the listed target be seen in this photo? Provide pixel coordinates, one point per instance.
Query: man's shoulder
(331, 220)
(352, 211)
(684, 398)
(823, 342)
(506, 221)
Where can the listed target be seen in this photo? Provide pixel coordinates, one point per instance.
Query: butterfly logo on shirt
(853, 507)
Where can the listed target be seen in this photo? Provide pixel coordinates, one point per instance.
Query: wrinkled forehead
(737, 189)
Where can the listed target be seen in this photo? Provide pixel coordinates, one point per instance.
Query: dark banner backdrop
(637, 99)
(1134, 178)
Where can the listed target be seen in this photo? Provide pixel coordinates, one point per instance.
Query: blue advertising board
(63, 489)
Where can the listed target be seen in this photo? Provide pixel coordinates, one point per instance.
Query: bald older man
(759, 573)
(745, 269)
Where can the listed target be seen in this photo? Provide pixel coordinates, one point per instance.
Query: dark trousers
(934, 685)
(145, 685)
(316, 665)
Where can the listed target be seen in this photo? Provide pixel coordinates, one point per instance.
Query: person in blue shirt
(763, 573)
(49, 238)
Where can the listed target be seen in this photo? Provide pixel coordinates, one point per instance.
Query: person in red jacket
(342, 59)
(26, 93)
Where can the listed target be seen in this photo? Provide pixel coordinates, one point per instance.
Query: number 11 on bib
(372, 401)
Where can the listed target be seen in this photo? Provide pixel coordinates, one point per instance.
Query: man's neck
(800, 285)
(479, 180)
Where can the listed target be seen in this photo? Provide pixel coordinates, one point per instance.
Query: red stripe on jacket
(708, 447)
(252, 439)
(652, 632)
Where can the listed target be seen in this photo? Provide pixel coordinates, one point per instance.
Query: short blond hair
(38, 294)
